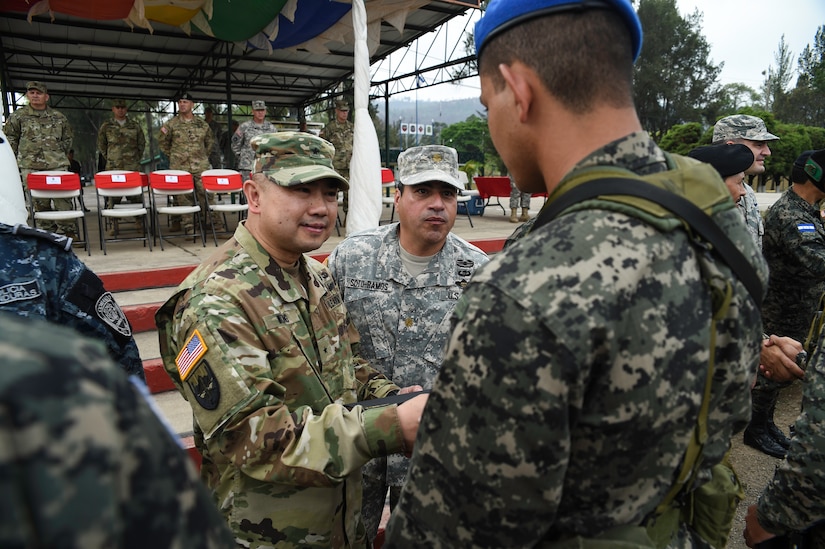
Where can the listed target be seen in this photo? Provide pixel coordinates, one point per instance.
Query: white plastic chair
(167, 184)
(229, 182)
(117, 184)
(50, 185)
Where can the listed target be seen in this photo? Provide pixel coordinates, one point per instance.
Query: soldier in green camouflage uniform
(246, 132)
(120, 140)
(217, 133)
(187, 140)
(573, 378)
(339, 132)
(41, 138)
(85, 463)
(258, 340)
(400, 284)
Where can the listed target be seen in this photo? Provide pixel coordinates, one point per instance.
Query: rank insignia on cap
(194, 349)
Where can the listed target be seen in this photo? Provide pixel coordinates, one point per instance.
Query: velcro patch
(192, 351)
(110, 312)
(19, 291)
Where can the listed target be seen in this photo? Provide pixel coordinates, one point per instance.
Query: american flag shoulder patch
(191, 353)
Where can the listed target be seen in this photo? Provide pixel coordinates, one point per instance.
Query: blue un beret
(501, 15)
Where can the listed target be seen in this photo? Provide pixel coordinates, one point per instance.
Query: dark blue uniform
(41, 276)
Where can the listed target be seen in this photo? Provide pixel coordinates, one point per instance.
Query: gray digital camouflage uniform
(267, 368)
(84, 462)
(121, 144)
(794, 247)
(241, 140)
(795, 499)
(188, 143)
(41, 277)
(573, 378)
(404, 322)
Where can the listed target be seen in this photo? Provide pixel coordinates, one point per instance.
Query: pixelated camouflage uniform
(574, 375)
(281, 453)
(518, 199)
(794, 247)
(753, 217)
(41, 277)
(187, 144)
(794, 500)
(85, 463)
(241, 140)
(41, 140)
(404, 323)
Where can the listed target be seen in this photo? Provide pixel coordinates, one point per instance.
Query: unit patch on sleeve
(194, 349)
(19, 291)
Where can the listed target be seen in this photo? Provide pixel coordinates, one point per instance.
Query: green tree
(778, 79)
(674, 78)
(805, 104)
(471, 139)
(681, 138)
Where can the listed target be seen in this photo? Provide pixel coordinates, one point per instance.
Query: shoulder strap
(683, 208)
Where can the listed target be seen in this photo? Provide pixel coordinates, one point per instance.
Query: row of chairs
(157, 191)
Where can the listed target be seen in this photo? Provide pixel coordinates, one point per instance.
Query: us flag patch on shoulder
(191, 353)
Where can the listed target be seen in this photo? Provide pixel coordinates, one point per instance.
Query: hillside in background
(446, 112)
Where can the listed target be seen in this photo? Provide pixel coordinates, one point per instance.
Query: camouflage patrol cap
(119, 103)
(258, 105)
(293, 158)
(342, 105)
(741, 126)
(418, 165)
(35, 85)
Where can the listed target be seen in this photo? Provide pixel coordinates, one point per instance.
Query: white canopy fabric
(365, 166)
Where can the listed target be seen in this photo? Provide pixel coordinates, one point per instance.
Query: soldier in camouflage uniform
(259, 342)
(518, 198)
(217, 133)
(85, 461)
(187, 140)
(121, 141)
(41, 276)
(246, 132)
(400, 284)
(339, 132)
(794, 246)
(41, 138)
(573, 378)
(793, 503)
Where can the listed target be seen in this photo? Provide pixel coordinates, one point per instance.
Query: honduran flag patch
(806, 227)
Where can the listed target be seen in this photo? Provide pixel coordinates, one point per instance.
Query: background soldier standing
(121, 141)
(217, 133)
(339, 132)
(187, 140)
(242, 137)
(41, 138)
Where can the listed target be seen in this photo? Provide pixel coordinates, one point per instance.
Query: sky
(745, 34)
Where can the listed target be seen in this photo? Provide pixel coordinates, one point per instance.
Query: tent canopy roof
(84, 60)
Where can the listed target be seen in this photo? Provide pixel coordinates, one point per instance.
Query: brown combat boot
(513, 216)
(525, 214)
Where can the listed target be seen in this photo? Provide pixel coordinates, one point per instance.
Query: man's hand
(410, 389)
(754, 533)
(409, 416)
(777, 361)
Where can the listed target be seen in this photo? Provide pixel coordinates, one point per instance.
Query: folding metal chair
(51, 185)
(230, 183)
(116, 184)
(170, 184)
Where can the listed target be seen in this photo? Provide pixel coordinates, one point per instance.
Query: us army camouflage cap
(293, 158)
(119, 103)
(258, 105)
(35, 85)
(741, 126)
(342, 105)
(429, 163)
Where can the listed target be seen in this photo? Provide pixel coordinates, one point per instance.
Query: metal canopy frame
(84, 61)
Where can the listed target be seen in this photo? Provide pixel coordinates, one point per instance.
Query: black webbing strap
(386, 401)
(683, 208)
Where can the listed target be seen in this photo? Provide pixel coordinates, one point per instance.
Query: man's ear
(253, 195)
(517, 78)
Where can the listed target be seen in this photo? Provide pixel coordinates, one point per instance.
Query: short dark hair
(582, 58)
